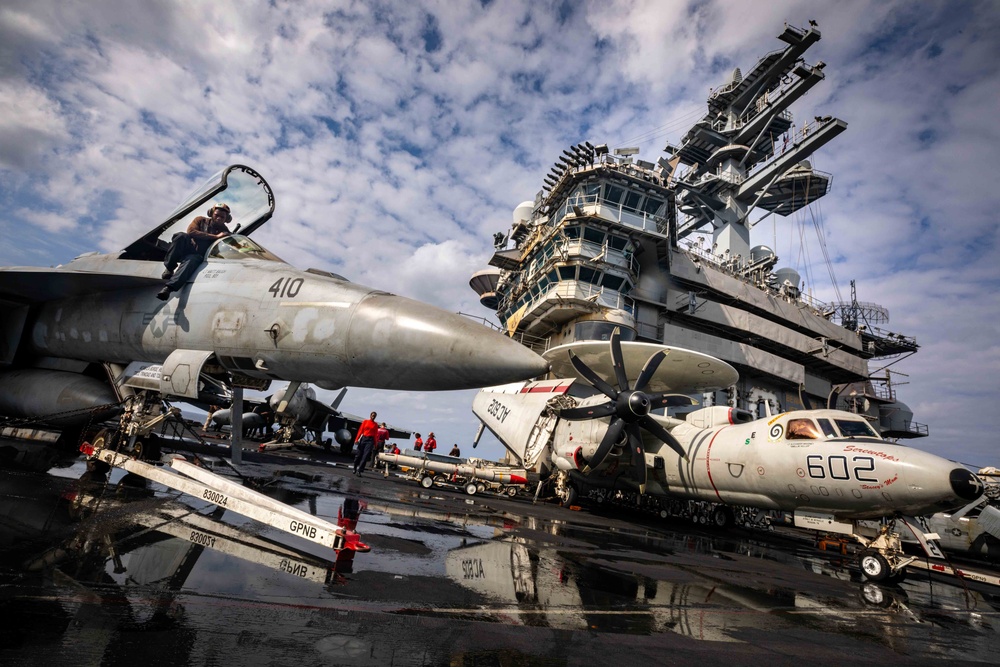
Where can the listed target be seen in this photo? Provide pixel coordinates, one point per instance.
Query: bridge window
(614, 194)
(567, 272)
(612, 282)
(589, 275)
(632, 200)
(572, 232)
(617, 242)
(593, 235)
(651, 205)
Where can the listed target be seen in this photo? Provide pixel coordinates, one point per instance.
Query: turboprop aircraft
(76, 340)
(827, 466)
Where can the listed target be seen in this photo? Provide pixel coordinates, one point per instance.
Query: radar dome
(523, 211)
(759, 252)
(788, 281)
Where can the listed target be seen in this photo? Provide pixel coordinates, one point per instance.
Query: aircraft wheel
(722, 517)
(569, 497)
(427, 481)
(480, 487)
(347, 449)
(874, 566)
(511, 491)
(471, 488)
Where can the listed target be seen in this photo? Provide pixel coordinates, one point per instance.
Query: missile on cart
(463, 469)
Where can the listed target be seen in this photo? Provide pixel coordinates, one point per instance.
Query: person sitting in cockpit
(803, 429)
(188, 248)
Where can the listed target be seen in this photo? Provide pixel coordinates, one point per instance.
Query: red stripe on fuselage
(556, 389)
(708, 461)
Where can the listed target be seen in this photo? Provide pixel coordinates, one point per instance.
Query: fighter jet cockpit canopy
(238, 246)
(250, 201)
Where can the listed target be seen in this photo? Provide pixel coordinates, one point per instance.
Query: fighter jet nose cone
(445, 351)
(965, 484)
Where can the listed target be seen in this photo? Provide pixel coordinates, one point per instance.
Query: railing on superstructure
(738, 268)
(538, 344)
(578, 290)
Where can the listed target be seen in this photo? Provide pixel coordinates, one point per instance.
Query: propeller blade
(610, 438)
(638, 456)
(588, 412)
(666, 400)
(617, 361)
(646, 374)
(592, 377)
(663, 434)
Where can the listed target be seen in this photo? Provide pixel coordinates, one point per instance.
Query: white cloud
(399, 136)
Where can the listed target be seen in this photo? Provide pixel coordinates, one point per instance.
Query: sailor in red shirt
(431, 443)
(365, 441)
(381, 437)
(418, 444)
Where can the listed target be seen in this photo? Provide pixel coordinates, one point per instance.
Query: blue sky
(398, 136)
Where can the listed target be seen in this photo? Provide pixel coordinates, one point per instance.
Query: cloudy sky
(398, 136)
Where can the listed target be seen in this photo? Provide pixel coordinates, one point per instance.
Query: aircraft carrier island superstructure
(663, 252)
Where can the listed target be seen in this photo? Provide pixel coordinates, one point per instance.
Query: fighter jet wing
(36, 284)
(352, 422)
(322, 412)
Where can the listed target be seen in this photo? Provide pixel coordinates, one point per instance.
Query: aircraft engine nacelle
(574, 443)
(35, 393)
(718, 415)
(343, 437)
(568, 457)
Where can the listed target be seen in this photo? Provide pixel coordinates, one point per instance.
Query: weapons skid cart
(472, 474)
(188, 478)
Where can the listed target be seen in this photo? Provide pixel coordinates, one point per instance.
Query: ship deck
(450, 579)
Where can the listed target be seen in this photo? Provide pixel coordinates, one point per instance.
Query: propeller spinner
(629, 407)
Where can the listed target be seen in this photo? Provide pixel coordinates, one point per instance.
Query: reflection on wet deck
(108, 569)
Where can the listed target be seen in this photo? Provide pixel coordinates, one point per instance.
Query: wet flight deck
(99, 569)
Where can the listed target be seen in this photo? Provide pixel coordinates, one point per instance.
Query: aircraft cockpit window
(850, 428)
(828, 429)
(803, 429)
(240, 247)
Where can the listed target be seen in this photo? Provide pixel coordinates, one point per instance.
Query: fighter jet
(69, 334)
(302, 419)
(596, 429)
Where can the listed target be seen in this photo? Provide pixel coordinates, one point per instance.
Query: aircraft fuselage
(270, 320)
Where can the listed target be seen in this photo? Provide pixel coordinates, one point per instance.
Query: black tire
(570, 497)
(722, 518)
(427, 481)
(874, 566)
(347, 449)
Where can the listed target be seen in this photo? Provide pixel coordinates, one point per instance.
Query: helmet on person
(224, 207)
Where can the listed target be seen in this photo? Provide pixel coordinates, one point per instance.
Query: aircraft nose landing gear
(882, 558)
